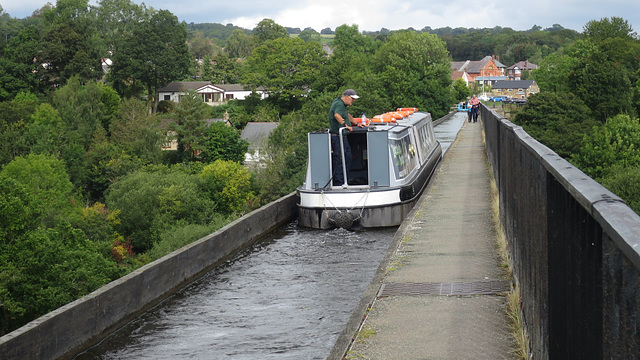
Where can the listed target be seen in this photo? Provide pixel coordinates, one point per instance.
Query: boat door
(319, 166)
(378, 157)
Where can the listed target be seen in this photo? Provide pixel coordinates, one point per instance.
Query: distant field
(328, 39)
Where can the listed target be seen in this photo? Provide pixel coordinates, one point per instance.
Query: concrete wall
(575, 249)
(66, 331)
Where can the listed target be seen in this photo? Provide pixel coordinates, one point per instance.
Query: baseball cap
(352, 93)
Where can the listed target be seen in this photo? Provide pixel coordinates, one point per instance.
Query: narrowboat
(392, 159)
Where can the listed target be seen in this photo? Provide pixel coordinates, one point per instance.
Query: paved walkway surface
(448, 247)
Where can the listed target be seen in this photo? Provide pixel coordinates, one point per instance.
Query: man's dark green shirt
(338, 106)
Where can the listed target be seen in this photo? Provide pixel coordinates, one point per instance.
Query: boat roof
(401, 124)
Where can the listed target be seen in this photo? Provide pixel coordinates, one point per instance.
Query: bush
(616, 143)
(182, 235)
(45, 178)
(47, 268)
(151, 202)
(623, 181)
(558, 120)
(228, 185)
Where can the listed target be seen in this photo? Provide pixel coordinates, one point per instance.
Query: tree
(189, 125)
(81, 108)
(220, 69)
(116, 19)
(70, 46)
(14, 117)
(460, 90)
(286, 67)
(47, 268)
(137, 132)
(616, 143)
(154, 200)
(239, 44)
(18, 72)
(603, 83)
(414, 71)
(223, 142)
(83, 114)
(558, 120)
(46, 179)
(228, 185)
(606, 28)
(350, 63)
(310, 35)
(44, 133)
(267, 29)
(19, 210)
(202, 47)
(154, 54)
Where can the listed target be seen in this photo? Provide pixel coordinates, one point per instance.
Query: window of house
(167, 97)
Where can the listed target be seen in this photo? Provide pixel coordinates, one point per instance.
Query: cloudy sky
(372, 15)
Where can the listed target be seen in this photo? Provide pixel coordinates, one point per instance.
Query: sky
(373, 15)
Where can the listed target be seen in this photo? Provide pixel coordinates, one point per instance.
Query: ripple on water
(288, 297)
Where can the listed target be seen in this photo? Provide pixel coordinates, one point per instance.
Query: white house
(211, 94)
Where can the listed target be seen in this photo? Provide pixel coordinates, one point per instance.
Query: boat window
(403, 153)
(423, 142)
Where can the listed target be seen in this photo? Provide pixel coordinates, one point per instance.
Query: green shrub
(623, 181)
(150, 202)
(616, 143)
(182, 235)
(228, 185)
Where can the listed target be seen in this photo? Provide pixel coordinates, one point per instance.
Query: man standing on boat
(338, 117)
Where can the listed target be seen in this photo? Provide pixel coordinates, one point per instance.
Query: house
(519, 89)
(489, 66)
(488, 80)
(211, 94)
(327, 49)
(460, 75)
(257, 134)
(515, 71)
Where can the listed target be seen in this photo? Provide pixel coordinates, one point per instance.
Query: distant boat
(392, 161)
(463, 107)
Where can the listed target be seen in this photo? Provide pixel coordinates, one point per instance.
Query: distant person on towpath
(475, 106)
(338, 117)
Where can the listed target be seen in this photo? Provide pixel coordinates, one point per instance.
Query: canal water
(447, 131)
(287, 297)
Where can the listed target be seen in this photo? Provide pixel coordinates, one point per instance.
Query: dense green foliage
(223, 142)
(615, 143)
(558, 120)
(87, 192)
(45, 260)
(611, 155)
(588, 106)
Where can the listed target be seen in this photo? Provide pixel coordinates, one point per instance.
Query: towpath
(442, 294)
